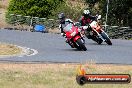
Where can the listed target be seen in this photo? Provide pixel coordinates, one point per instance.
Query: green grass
(44, 76)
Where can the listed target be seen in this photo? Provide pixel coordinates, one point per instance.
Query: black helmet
(61, 16)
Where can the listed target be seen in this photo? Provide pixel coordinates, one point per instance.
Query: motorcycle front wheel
(81, 45)
(107, 39)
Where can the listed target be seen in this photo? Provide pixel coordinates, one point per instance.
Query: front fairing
(95, 26)
(69, 29)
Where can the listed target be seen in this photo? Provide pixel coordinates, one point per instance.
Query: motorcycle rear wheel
(81, 45)
(99, 41)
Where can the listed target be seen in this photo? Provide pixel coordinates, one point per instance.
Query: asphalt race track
(52, 48)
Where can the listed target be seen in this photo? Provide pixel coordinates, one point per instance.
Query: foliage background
(119, 10)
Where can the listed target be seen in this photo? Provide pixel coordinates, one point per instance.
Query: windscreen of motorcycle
(68, 27)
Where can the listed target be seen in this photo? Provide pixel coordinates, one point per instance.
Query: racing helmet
(86, 13)
(61, 17)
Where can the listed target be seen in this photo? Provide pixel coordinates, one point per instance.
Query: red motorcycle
(74, 38)
(97, 33)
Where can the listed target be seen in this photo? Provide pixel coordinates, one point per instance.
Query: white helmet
(86, 12)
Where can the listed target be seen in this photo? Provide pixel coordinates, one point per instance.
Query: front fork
(82, 34)
(99, 35)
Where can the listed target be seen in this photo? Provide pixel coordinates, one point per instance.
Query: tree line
(119, 10)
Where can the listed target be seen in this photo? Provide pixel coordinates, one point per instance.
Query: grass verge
(55, 75)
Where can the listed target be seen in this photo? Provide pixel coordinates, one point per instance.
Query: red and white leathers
(84, 21)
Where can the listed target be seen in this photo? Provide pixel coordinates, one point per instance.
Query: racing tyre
(81, 44)
(99, 41)
(87, 34)
(107, 39)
